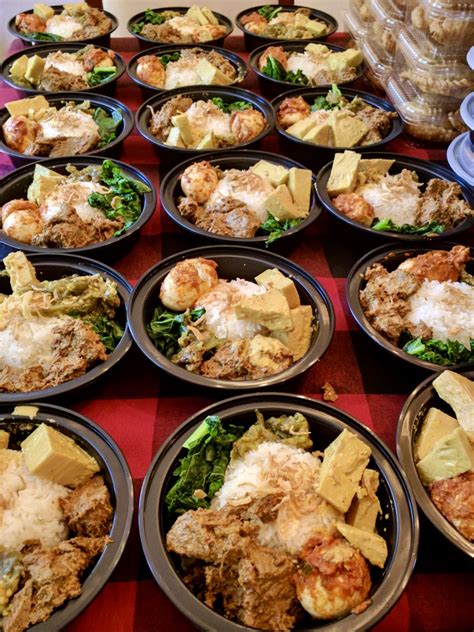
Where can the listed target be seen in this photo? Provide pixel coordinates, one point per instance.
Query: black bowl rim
(100, 441)
(223, 20)
(145, 285)
(329, 19)
(254, 155)
(299, 45)
(148, 516)
(232, 57)
(354, 282)
(371, 99)
(408, 162)
(51, 48)
(79, 265)
(160, 98)
(99, 100)
(406, 421)
(14, 31)
(148, 207)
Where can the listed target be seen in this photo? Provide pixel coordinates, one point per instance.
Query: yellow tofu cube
(436, 425)
(344, 461)
(18, 68)
(343, 176)
(273, 278)
(347, 130)
(276, 174)
(365, 506)
(299, 184)
(280, 204)
(43, 11)
(53, 455)
(34, 69)
(270, 309)
(23, 107)
(298, 339)
(372, 546)
(182, 122)
(174, 138)
(458, 391)
(211, 75)
(452, 455)
(301, 128)
(320, 135)
(207, 142)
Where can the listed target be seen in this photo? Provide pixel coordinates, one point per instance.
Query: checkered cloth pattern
(140, 406)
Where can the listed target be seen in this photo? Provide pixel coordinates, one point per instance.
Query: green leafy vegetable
(100, 74)
(407, 229)
(438, 352)
(297, 77)
(165, 328)
(274, 69)
(47, 37)
(124, 198)
(201, 472)
(329, 102)
(109, 331)
(268, 12)
(150, 17)
(275, 227)
(230, 107)
(165, 59)
(107, 124)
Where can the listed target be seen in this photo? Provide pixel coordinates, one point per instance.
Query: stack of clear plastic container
(375, 26)
(430, 76)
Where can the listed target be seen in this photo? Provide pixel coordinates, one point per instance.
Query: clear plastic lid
(361, 10)
(354, 25)
(378, 70)
(442, 24)
(383, 30)
(467, 110)
(424, 120)
(433, 77)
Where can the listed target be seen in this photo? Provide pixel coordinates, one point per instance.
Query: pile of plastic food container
(416, 51)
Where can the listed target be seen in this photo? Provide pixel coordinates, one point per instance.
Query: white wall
(124, 9)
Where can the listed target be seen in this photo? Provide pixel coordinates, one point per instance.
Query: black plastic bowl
(114, 469)
(53, 267)
(144, 42)
(58, 99)
(253, 41)
(391, 256)
(103, 40)
(273, 87)
(170, 191)
(15, 186)
(228, 95)
(314, 154)
(147, 89)
(233, 262)
(107, 87)
(411, 418)
(425, 170)
(398, 522)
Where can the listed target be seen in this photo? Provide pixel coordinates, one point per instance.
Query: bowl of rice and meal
(74, 22)
(435, 438)
(67, 506)
(417, 303)
(268, 23)
(179, 25)
(273, 511)
(230, 317)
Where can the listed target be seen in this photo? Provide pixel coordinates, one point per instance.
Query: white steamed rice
(220, 304)
(447, 308)
(29, 507)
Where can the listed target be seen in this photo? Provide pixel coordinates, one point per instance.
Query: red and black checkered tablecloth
(140, 406)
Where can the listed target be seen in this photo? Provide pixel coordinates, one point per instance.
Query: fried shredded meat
(454, 498)
(87, 509)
